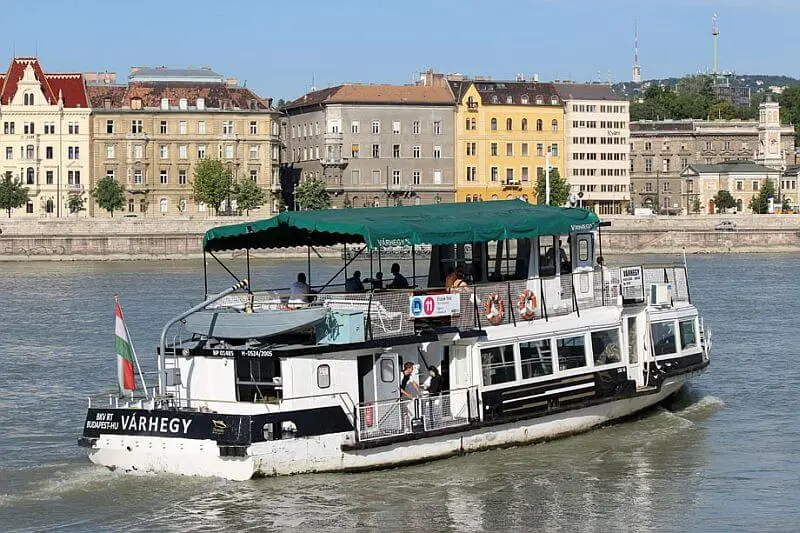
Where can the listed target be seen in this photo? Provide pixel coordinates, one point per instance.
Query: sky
(280, 48)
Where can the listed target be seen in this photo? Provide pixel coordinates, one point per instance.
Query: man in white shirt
(300, 291)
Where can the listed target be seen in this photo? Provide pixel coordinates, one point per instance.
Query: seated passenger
(459, 278)
(450, 278)
(300, 292)
(377, 281)
(399, 281)
(354, 284)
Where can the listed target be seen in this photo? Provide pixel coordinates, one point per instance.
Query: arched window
(524, 99)
(494, 197)
(554, 125)
(164, 205)
(739, 205)
(539, 99)
(29, 151)
(475, 198)
(469, 199)
(539, 125)
(30, 176)
(494, 124)
(509, 124)
(356, 201)
(524, 124)
(472, 123)
(48, 206)
(27, 99)
(494, 99)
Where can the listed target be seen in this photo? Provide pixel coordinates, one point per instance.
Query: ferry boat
(535, 341)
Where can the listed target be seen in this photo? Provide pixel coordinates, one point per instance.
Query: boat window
(565, 255)
(663, 337)
(258, 379)
(498, 365)
(547, 263)
(323, 376)
(633, 351)
(688, 338)
(536, 357)
(605, 347)
(583, 249)
(387, 370)
(571, 352)
(501, 259)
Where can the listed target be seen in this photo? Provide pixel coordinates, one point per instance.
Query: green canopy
(428, 224)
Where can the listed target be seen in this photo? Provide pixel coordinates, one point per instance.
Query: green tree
(312, 194)
(12, 193)
(760, 204)
(724, 200)
(248, 195)
(281, 103)
(790, 107)
(347, 203)
(212, 183)
(696, 205)
(559, 188)
(786, 205)
(109, 194)
(723, 111)
(75, 201)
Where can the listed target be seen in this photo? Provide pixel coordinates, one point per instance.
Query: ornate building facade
(45, 137)
(150, 133)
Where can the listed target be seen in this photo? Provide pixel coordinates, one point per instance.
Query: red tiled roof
(353, 93)
(151, 93)
(69, 85)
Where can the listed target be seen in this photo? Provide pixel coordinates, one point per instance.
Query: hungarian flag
(124, 353)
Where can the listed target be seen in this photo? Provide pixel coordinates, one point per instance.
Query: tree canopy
(248, 195)
(75, 201)
(724, 200)
(109, 194)
(212, 183)
(559, 188)
(12, 193)
(311, 193)
(760, 204)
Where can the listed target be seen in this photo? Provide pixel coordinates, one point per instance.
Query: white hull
(324, 453)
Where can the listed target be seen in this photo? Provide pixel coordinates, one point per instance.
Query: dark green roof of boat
(421, 224)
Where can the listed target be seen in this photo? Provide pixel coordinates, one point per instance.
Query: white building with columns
(44, 140)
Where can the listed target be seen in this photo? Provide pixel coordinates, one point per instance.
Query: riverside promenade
(123, 238)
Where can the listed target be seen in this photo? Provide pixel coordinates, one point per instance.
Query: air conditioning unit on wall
(660, 293)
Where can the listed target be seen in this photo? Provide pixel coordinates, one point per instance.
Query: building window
(472, 173)
(30, 176)
(183, 151)
(109, 126)
(437, 127)
(493, 149)
(354, 151)
(376, 151)
(554, 150)
(29, 128)
(354, 127)
(163, 151)
(73, 152)
(396, 127)
(437, 177)
(498, 365)
(29, 207)
(73, 128)
(73, 177)
(417, 176)
(48, 177)
(665, 165)
(8, 128)
(554, 126)
(201, 152)
(164, 177)
(164, 205)
(27, 99)
(416, 152)
(648, 164)
(415, 128)
(509, 124)
(110, 173)
(709, 145)
(253, 127)
(684, 163)
(739, 185)
(571, 352)
(163, 127)
(493, 124)
(182, 127)
(524, 124)
(755, 186)
(137, 177)
(525, 176)
(50, 128)
(9, 152)
(539, 150)
(494, 173)
(228, 151)
(395, 151)
(253, 151)
(136, 126)
(395, 177)
(437, 152)
(201, 127)
(509, 176)
(539, 125)
(376, 177)
(109, 151)
(509, 149)
(355, 178)
(376, 126)
(227, 127)
(182, 177)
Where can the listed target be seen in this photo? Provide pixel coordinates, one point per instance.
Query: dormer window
(201, 103)
(106, 103)
(182, 103)
(136, 103)
(554, 100)
(524, 99)
(539, 99)
(494, 98)
(27, 99)
(165, 103)
(509, 99)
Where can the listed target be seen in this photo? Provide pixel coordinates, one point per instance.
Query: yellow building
(504, 130)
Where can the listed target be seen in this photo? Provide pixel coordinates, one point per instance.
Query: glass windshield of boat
(258, 379)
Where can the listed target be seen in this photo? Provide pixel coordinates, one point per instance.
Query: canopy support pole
(247, 255)
(413, 266)
(308, 265)
(346, 262)
(371, 273)
(341, 269)
(228, 270)
(205, 275)
(380, 266)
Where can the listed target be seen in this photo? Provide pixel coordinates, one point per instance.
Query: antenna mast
(637, 71)
(715, 37)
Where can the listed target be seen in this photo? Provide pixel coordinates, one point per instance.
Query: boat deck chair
(378, 314)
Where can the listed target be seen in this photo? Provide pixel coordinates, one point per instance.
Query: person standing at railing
(409, 390)
(433, 387)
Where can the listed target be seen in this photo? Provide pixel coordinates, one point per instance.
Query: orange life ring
(494, 309)
(527, 305)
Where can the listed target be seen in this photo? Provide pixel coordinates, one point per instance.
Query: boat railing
(675, 276)
(392, 418)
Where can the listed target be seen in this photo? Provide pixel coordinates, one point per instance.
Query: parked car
(726, 225)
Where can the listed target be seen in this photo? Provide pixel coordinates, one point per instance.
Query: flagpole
(136, 359)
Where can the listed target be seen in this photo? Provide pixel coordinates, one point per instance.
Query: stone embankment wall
(171, 238)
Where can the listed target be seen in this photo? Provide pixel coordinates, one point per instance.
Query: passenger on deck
(450, 278)
(354, 284)
(377, 281)
(408, 387)
(399, 281)
(459, 281)
(300, 291)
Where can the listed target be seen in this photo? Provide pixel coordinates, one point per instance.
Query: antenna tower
(715, 37)
(637, 71)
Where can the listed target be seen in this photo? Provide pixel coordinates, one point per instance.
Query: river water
(724, 456)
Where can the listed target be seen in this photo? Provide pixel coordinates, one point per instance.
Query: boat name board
(632, 288)
(433, 305)
(191, 425)
(229, 352)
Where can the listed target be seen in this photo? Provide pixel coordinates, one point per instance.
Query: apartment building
(373, 145)
(661, 150)
(506, 133)
(150, 133)
(45, 137)
(597, 146)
